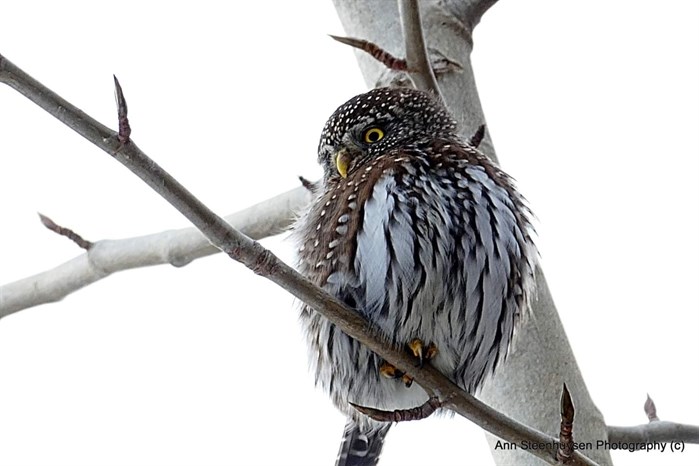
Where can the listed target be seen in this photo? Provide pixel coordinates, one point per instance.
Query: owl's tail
(358, 449)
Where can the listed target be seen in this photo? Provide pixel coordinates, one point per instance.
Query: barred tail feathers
(359, 449)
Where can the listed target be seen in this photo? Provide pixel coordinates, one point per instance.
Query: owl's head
(376, 122)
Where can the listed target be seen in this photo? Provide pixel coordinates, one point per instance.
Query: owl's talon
(431, 352)
(415, 347)
(421, 352)
(390, 371)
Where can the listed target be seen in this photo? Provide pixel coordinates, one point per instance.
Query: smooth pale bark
(528, 386)
(175, 247)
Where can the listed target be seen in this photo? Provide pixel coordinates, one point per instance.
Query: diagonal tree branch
(263, 262)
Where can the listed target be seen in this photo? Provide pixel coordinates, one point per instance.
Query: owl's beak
(342, 161)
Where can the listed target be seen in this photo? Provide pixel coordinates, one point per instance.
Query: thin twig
(308, 184)
(122, 113)
(67, 232)
(415, 50)
(477, 137)
(388, 60)
(649, 408)
(440, 65)
(263, 262)
(566, 445)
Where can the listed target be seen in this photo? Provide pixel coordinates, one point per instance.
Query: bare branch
(263, 262)
(656, 431)
(388, 60)
(415, 50)
(174, 247)
(67, 232)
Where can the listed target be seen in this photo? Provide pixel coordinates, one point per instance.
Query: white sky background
(593, 107)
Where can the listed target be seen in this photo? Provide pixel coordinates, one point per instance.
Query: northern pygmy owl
(426, 238)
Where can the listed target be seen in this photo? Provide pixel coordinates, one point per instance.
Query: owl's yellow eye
(373, 135)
